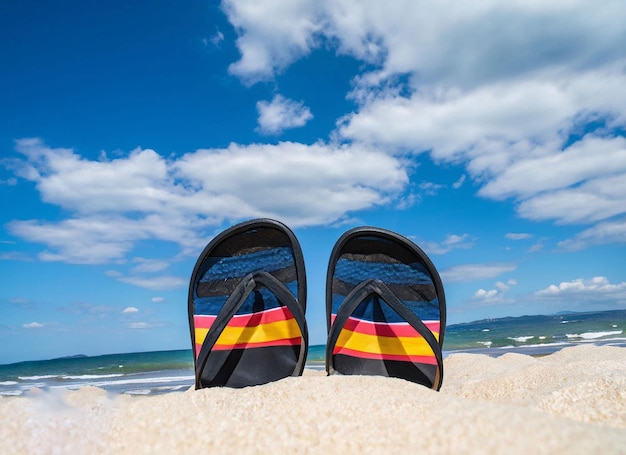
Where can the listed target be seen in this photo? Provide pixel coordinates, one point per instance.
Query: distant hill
(75, 356)
(536, 317)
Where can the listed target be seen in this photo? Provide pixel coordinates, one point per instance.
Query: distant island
(530, 317)
(75, 356)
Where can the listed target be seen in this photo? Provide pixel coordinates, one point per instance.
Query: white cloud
(139, 325)
(598, 288)
(518, 236)
(590, 183)
(299, 184)
(497, 295)
(483, 294)
(114, 204)
(430, 188)
(281, 114)
(601, 233)
(591, 158)
(445, 41)
(80, 241)
(130, 309)
(451, 242)
(158, 299)
(438, 82)
(33, 325)
(156, 283)
(475, 272)
(149, 265)
(276, 34)
(459, 183)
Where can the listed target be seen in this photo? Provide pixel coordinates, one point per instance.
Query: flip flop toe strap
(377, 287)
(247, 285)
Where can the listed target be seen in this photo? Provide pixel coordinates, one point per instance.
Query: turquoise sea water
(537, 334)
(148, 373)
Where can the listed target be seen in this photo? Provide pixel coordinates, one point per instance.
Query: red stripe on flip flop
(281, 313)
(385, 329)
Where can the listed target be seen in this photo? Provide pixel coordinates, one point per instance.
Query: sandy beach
(572, 401)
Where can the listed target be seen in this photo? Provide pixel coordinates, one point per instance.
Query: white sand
(573, 401)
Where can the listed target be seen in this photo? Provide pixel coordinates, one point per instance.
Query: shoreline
(172, 380)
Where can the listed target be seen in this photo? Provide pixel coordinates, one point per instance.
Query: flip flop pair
(385, 308)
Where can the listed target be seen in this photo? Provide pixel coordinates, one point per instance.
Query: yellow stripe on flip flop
(374, 344)
(260, 334)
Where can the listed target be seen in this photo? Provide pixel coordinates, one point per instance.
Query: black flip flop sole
(246, 303)
(385, 308)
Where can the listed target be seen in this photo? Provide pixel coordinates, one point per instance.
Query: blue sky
(493, 134)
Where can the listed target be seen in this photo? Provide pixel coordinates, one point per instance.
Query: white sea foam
(593, 335)
(37, 378)
(485, 343)
(8, 383)
(485, 330)
(154, 380)
(521, 339)
(94, 376)
(156, 389)
(138, 392)
(541, 345)
(11, 393)
(172, 388)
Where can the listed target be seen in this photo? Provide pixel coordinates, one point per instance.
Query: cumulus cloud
(534, 116)
(598, 287)
(515, 110)
(601, 233)
(275, 34)
(281, 114)
(495, 295)
(130, 309)
(142, 196)
(483, 294)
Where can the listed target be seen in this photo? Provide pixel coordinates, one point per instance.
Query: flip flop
(385, 308)
(247, 300)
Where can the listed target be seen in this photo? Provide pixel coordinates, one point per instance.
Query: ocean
(151, 373)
